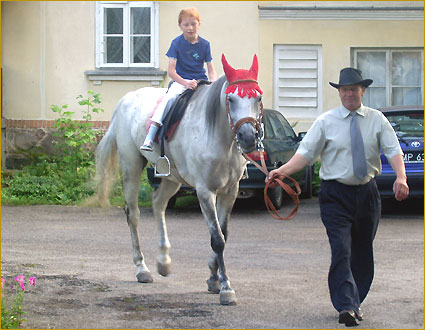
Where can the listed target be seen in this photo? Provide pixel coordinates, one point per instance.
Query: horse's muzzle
(247, 136)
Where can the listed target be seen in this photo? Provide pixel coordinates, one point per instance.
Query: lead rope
(294, 195)
(263, 168)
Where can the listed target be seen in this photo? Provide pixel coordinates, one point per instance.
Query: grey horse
(220, 121)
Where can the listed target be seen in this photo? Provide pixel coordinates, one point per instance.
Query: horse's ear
(228, 70)
(254, 67)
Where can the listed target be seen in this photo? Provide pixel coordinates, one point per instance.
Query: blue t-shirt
(190, 57)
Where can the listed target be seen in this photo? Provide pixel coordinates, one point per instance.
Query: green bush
(65, 177)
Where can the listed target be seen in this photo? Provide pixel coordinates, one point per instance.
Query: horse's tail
(106, 166)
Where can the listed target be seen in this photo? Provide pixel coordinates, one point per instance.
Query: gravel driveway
(82, 260)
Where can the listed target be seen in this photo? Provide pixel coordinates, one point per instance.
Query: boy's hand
(192, 84)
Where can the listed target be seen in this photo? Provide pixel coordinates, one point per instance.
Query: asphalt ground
(85, 277)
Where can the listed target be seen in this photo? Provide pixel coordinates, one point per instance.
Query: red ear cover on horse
(232, 74)
(244, 88)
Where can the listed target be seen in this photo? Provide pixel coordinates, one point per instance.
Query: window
(126, 34)
(297, 80)
(397, 76)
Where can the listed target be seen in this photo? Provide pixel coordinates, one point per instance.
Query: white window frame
(388, 55)
(126, 5)
(298, 110)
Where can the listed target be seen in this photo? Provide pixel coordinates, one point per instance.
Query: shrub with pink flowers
(11, 307)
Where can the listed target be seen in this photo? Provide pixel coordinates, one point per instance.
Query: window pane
(141, 49)
(113, 22)
(374, 97)
(114, 50)
(406, 96)
(140, 20)
(373, 66)
(406, 69)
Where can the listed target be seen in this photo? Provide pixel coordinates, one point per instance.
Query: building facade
(53, 51)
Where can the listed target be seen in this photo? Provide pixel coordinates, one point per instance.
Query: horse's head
(243, 103)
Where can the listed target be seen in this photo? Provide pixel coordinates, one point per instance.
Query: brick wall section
(23, 123)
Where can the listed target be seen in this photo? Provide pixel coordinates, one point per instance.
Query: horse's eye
(259, 98)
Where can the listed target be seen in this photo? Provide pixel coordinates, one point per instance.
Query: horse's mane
(213, 102)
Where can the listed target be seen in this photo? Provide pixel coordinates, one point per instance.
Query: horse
(221, 120)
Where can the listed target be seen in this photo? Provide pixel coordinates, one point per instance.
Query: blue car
(408, 124)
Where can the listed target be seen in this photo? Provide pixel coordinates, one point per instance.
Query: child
(187, 55)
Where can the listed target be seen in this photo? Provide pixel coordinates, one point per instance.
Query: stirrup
(159, 175)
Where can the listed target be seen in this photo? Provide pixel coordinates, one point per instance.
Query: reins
(263, 168)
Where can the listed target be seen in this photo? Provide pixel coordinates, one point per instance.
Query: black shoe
(360, 315)
(348, 317)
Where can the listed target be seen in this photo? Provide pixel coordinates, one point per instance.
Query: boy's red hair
(189, 12)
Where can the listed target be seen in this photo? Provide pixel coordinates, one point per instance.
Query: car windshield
(409, 124)
(277, 127)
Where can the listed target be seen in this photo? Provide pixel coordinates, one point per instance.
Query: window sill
(154, 75)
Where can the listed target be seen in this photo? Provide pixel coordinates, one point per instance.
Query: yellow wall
(47, 47)
(20, 59)
(336, 38)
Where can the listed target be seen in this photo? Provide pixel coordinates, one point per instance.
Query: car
(280, 144)
(408, 124)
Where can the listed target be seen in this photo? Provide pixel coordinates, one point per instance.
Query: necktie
(357, 148)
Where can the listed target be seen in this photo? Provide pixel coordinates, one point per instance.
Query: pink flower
(32, 280)
(3, 281)
(20, 278)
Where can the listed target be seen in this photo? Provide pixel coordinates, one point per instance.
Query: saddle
(173, 114)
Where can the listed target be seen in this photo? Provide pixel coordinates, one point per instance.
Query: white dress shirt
(329, 138)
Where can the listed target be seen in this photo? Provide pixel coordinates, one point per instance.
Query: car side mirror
(301, 135)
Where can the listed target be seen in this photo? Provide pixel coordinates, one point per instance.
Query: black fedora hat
(351, 76)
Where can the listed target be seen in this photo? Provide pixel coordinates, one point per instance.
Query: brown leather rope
(294, 195)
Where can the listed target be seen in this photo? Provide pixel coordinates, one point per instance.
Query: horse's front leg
(207, 200)
(224, 208)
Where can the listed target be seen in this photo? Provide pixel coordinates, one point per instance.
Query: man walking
(348, 140)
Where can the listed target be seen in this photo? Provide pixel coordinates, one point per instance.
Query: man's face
(351, 96)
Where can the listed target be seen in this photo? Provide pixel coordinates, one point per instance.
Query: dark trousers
(351, 216)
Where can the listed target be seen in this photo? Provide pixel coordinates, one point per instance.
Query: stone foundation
(20, 137)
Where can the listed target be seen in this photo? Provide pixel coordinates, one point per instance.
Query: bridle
(255, 122)
(260, 147)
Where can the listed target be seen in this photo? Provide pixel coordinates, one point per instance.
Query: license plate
(413, 157)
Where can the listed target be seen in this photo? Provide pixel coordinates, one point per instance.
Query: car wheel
(307, 191)
(276, 196)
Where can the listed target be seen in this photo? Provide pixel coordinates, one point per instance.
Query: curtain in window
(140, 40)
(114, 32)
(373, 66)
(396, 74)
(406, 78)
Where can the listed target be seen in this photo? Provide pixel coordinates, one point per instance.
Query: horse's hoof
(164, 269)
(228, 297)
(213, 286)
(144, 277)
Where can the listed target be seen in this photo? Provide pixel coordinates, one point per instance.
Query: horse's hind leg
(132, 168)
(160, 199)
